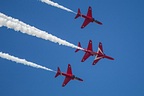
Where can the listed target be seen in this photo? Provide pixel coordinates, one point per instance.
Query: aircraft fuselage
(91, 19)
(95, 53)
(88, 17)
(73, 77)
(91, 52)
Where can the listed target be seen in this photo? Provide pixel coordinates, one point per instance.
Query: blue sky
(121, 34)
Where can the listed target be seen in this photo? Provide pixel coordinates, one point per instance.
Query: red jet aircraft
(68, 76)
(89, 52)
(88, 17)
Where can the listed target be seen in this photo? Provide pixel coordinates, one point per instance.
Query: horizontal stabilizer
(58, 72)
(78, 14)
(79, 45)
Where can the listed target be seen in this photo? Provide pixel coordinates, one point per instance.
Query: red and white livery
(89, 52)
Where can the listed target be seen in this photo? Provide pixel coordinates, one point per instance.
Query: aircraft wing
(100, 48)
(90, 45)
(67, 79)
(69, 69)
(85, 23)
(89, 13)
(87, 55)
(100, 54)
(96, 59)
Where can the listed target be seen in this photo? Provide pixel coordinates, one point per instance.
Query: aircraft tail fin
(78, 14)
(58, 72)
(79, 45)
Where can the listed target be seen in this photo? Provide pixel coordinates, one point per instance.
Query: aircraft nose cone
(81, 79)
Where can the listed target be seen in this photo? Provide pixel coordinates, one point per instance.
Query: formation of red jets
(88, 51)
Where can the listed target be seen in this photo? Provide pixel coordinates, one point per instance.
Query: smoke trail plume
(57, 5)
(22, 61)
(17, 25)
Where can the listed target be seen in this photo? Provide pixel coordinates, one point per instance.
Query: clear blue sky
(122, 35)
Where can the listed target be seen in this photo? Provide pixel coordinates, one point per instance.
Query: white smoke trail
(23, 61)
(17, 25)
(57, 5)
